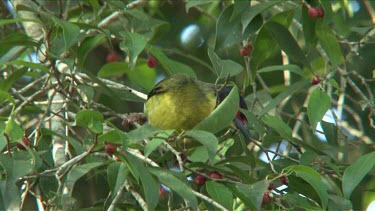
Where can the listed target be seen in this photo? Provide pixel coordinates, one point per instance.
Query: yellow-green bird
(181, 102)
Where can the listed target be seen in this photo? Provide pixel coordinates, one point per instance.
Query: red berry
(245, 52)
(266, 199)
(284, 180)
(215, 175)
(110, 148)
(320, 12)
(26, 141)
(315, 12)
(161, 191)
(270, 186)
(152, 62)
(200, 180)
(315, 80)
(112, 57)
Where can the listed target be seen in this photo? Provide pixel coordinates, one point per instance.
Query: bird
(181, 102)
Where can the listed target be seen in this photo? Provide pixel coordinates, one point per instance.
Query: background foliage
(75, 74)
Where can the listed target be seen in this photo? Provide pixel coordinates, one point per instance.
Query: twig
(209, 200)
(177, 154)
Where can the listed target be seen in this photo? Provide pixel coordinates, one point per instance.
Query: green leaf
(286, 42)
(79, 171)
(8, 82)
(263, 48)
(206, 139)
(281, 127)
(149, 185)
(289, 67)
(91, 119)
(317, 106)
(76, 145)
(255, 10)
(223, 115)
(143, 75)
(156, 141)
(172, 181)
(133, 45)
(70, 35)
(145, 131)
(14, 131)
(195, 3)
(354, 173)
(170, 66)
(116, 174)
(308, 26)
(88, 45)
(220, 194)
(329, 43)
(254, 192)
(289, 91)
(7, 96)
(229, 31)
(339, 203)
(113, 69)
(113, 136)
(86, 92)
(330, 132)
(314, 179)
(36, 66)
(224, 68)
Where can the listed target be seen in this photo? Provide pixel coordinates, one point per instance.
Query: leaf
(170, 66)
(281, 127)
(308, 26)
(224, 68)
(143, 75)
(330, 132)
(79, 171)
(149, 185)
(208, 140)
(263, 48)
(156, 141)
(8, 82)
(175, 183)
(286, 41)
(113, 136)
(13, 130)
(76, 145)
(69, 37)
(223, 115)
(195, 3)
(36, 66)
(88, 45)
(354, 173)
(289, 91)
(329, 43)
(314, 179)
(289, 67)
(86, 92)
(255, 10)
(91, 119)
(220, 194)
(133, 45)
(254, 192)
(229, 31)
(339, 203)
(7, 96)
(116, 174)
(145, 131)
(113, 69)
(317, 106)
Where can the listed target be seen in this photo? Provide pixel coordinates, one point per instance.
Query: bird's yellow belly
(166, 112)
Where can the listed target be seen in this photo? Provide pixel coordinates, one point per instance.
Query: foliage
(75, 74)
